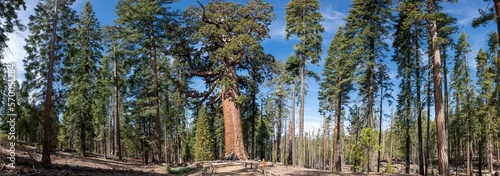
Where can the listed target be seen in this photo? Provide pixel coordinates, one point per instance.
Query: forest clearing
(250, 87)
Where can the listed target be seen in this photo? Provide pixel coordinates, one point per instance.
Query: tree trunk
(301, 112)
(167, 115)
(336, 131)
(390, 137)
(324, 140)
(480, 152)
(82, 137)
(408, 116)
(252, 122)
(156, 91)
(233, 134)
(278, 135)
(292, 149)
(419, 105)
(47, 137)
(380, 127)
(427, 146)
(117, 138)
(489, 148)
(438, 99)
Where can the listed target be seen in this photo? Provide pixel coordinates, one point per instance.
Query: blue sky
(333, 11)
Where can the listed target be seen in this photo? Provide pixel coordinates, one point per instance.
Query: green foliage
(81, 71)
(9, 21)
(203, 137)
(304, 21)
(367, 27)
(338, 72)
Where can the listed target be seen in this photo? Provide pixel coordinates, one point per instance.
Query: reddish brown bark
(47, 136)
(233, 134)
(438, 99)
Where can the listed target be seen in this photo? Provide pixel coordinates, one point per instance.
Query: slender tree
(156, 18)
(46, 47)
(81, 72)
(460, 82)
(303, 20)
(337, 84)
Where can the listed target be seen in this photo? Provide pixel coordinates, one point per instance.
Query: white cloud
(333, 19)
(277, 30)
(15, 51)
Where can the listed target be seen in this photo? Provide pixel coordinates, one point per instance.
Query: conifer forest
(250, 87)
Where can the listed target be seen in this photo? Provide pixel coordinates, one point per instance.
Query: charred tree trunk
(438, 99)
(47, 136)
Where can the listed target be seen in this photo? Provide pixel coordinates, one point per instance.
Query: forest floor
(65, 163)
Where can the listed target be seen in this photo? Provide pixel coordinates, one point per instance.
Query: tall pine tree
(303, 20)
(337, 85)
(81, 73)
(367, 28)
(47, 46)
(144, 43)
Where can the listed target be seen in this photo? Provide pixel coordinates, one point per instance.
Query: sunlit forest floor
(69, 163)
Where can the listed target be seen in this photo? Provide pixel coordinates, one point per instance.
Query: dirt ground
(65, 163)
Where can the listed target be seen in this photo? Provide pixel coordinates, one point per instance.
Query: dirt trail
(230, 169)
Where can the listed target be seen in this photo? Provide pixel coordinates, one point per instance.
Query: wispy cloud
(333, 18)
(15, 52)
(277, 30)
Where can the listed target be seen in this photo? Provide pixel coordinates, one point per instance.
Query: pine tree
(438, 99)
(337, 85)
(403, 57)
(485, 80)
(81, 73)
(366, 29)
(460, 82)
(291, 72)
(46, 47)
(493, 101)
(156, 18)
(203, 151)
(9, 21)
(303, 20)
(229, 46)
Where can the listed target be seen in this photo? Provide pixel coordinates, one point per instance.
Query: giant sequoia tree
(47, 46)
(303, 20)
(230, 36)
